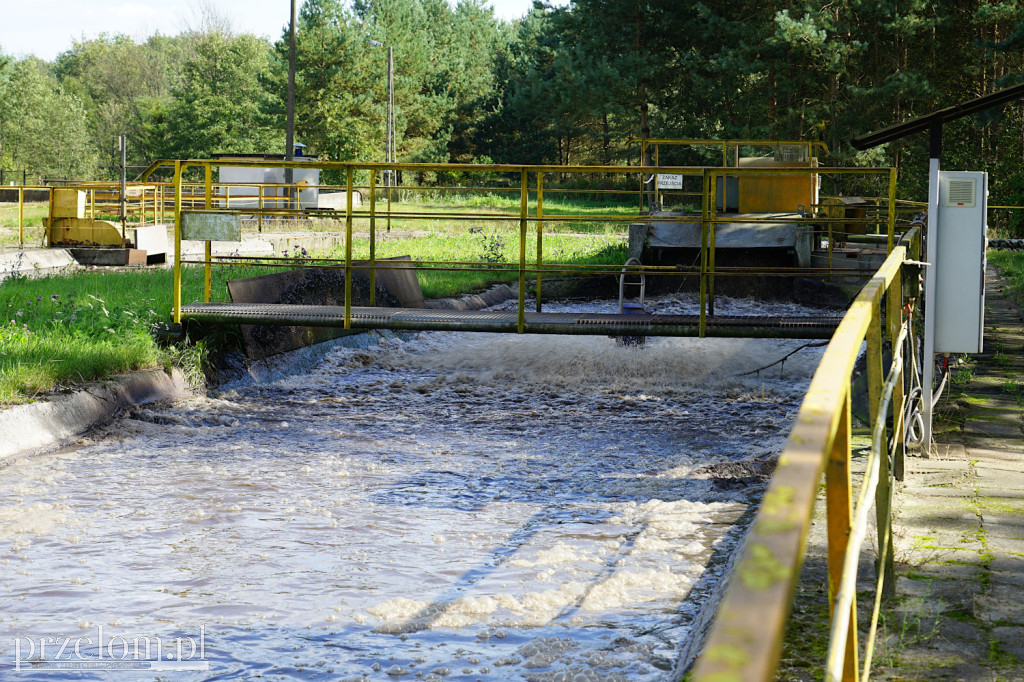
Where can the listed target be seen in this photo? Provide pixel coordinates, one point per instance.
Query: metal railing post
(259, 220)
(657, 188)
(540, 233)
(208, 247)
(348, 247)
(704, 214)
(894, 316)
(892, 209)
(524, 200)
(373, 238)
(643, 157)
(713, 202)
(831, 245)
(177, 243)
(839, 505)
(21, 217)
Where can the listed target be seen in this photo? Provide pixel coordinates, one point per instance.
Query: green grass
(494, 250)
(65, 330)
(1012, 265)
(457, 214)
(33, 220)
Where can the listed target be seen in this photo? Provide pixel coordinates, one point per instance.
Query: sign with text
(670, 181)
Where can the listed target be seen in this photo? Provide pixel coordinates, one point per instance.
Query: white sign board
(670, 181)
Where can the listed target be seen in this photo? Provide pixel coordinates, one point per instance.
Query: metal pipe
(21, 217)
(373, 238)
(928, 359)
(524, 198)
(177, 243)
(348, 249)
(540, 235)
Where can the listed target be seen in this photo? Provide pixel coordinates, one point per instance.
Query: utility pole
(389, 126)
(289, 154)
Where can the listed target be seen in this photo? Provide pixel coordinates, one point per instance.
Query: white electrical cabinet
(959, 267)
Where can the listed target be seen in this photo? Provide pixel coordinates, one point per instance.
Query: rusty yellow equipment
(68, 226)
(778, 192)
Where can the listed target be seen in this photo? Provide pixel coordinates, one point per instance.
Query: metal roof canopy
(933, 121)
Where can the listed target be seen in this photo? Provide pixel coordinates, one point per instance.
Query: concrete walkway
(959, 524)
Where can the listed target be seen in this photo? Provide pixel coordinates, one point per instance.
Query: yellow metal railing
(531, 214)
(746, 639)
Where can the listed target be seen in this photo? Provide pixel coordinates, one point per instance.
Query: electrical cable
(783, 359)
(912, 416)
(942, 386)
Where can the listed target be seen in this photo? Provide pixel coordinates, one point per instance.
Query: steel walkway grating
(426, 319)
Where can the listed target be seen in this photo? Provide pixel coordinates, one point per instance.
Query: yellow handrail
(746, 638)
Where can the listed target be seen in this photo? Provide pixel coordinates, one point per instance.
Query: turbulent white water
(457, 506)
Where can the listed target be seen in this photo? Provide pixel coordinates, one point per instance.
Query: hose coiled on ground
(1006, 244)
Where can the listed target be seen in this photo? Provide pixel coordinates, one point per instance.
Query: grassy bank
(65, 330)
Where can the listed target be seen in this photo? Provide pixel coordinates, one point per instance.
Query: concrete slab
(992, 428)
(1001, 605)
(1011, 640)
(34, 262)
(992, 456)
(108, 257)
(778, 230)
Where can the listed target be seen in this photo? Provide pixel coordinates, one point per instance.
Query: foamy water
(448, 506)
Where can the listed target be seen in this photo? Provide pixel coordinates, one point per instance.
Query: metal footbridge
(207, 214)
(816, 327)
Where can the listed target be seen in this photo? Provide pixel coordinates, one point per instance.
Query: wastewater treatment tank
(432, 506)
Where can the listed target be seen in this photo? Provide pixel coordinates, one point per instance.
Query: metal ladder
(635, 262)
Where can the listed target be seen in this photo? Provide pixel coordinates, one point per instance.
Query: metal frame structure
(746, 638)
(531, 179)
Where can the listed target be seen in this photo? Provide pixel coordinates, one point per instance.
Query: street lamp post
(289, 154)
(389, 136)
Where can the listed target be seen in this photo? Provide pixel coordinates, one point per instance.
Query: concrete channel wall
(49, 424)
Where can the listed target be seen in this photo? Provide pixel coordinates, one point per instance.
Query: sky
(46, 28)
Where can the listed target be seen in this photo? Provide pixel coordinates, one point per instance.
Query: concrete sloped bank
(48, 424)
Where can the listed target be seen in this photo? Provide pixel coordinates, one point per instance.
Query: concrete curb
(47, 425)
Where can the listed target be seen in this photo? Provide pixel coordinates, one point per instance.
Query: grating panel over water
(819, 326)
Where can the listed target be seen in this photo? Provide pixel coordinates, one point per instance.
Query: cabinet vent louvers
(960, 192)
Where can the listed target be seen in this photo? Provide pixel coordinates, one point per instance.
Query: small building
(240, 182)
